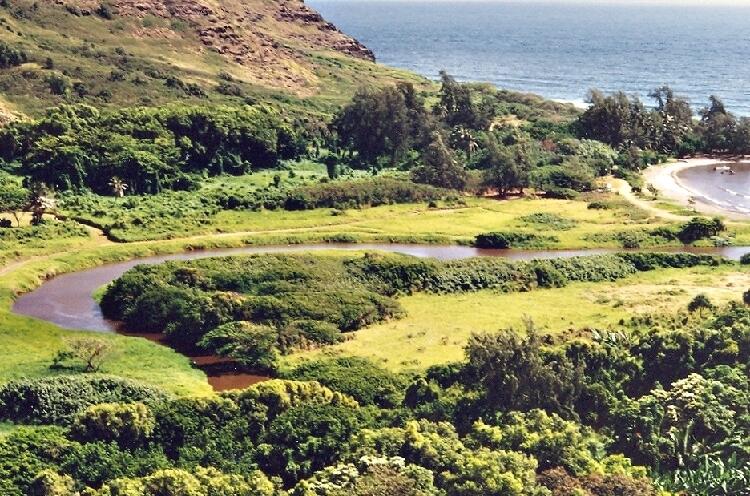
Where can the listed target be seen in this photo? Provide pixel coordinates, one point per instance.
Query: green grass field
(436, 327)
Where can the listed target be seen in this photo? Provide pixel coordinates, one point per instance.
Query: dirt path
(623, 188)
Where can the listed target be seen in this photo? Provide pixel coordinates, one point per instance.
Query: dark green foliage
(645, 261)
(504, 240)
(361, 193)
(56, 400)
(25, 453)
(10, 56)
(307, 438)
(381, 124)
(700, 228)
(514, 373)
(150, 149)
(253, 346)
(745, 259)
(357, 377)
(207, 431)
(439, 167)
(300, 301)
(700, 303)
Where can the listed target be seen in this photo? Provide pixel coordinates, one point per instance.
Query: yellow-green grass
(31, 344)
(437, 327)
(457, 222)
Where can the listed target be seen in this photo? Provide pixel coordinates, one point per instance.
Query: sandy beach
(665, 179)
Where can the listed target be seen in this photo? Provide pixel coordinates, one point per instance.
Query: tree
(118, 186)
(456, 106)
(463, 139)
(439, 167)
(92, 352)
(13, 198)
(700, 303)
(717, 126)
(700, 228)
(515, 374)
(384, 123)
(675, 120)
(505, 170)
(254, 346)
(617, 120)
(42, 202)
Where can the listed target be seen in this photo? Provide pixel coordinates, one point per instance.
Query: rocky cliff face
(272, 38)
(241, 30)
(124, 52)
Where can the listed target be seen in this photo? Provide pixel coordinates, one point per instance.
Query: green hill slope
(149, 52)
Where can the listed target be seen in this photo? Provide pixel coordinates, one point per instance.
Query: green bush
(57, 400)
(10, 56)
(546, 220)
(700, 228)
(128, 424)
(357, 377)
(361, 193)
(505, 240)
(77, 147)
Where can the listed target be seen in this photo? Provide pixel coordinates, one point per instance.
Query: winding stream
(67, 301)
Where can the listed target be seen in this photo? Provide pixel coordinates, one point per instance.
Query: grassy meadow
(436, 327)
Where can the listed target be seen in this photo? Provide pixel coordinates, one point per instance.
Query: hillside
(148, 52)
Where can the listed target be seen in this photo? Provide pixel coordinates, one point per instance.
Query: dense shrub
(357, 377)
(128, 425)
(10, 56)
(150, 149)
(546, 220)
(56, 400)
(700, 228)
(504, 240)
(361, 193)
(645, 261)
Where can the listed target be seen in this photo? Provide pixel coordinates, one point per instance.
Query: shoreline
(665, 179)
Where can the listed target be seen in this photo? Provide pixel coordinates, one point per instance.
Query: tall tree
(675, 118)
(439, 167)
(382, 123)
(505, 168)
(717, 126)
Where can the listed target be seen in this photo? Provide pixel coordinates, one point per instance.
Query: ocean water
(558, 50)
(728, 191)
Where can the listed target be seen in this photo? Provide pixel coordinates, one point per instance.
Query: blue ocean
(561, 50)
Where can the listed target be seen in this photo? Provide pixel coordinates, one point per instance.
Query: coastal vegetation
(259, 123)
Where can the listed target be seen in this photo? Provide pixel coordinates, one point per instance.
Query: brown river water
(67, 301)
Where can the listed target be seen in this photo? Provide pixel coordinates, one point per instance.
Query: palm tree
(118, 186)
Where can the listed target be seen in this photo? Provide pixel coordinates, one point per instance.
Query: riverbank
(665, 178)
